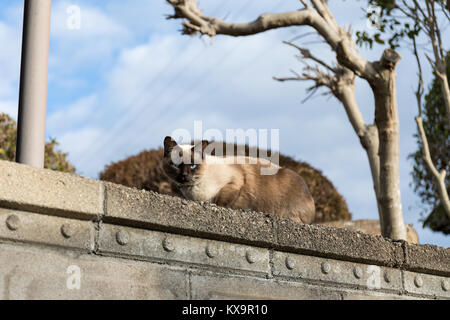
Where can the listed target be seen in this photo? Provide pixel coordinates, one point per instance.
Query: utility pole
(33, 83)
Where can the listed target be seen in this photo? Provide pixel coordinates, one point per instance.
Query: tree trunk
(368, 134)
(370, 143)
(386, 120)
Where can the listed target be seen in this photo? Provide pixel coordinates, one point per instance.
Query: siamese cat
(236, 182)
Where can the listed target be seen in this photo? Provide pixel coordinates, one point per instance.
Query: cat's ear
(169, 144)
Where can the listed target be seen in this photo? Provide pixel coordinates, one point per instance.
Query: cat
(236, 182)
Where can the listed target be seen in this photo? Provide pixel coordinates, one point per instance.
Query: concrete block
(370, 295)
(428, 259)
(133, 207)
(339, 272)
(45, 191)
(224, 287)
(154, 245)
(47, 230)
(337, 243)
(26, 273)
(426, 284)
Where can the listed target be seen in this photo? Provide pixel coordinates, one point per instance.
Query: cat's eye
(193, 166)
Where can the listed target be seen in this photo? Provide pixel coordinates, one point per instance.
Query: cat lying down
(237, 182)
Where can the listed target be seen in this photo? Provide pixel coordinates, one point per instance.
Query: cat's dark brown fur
(238, 185)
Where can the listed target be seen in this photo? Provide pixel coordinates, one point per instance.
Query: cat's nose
(184, 176)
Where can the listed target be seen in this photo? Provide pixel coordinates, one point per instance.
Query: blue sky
(127, 78)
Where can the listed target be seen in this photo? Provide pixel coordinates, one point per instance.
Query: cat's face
(183, 163)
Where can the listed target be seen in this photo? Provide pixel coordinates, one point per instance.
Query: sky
(125, 78)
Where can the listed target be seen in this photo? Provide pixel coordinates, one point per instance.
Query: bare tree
(410, 19)
(425, 15)
(381, 139)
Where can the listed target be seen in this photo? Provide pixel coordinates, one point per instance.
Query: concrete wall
(67, 237)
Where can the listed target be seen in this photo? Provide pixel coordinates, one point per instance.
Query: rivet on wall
(445, 286)
(326, 268)
(168, 245)
(67, 231)
(387, 277)
(357, 272)
(290, 263)
(418, 281)
(250, 257)
(13, 222)
(211, 251)
(122, 237)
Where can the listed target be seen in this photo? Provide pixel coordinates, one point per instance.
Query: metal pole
(33, 83)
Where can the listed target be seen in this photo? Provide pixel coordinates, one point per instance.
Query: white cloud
(73, 115)
(9, 68)
(93, 22)
(9, 107)
(74, 142)
(96, 41)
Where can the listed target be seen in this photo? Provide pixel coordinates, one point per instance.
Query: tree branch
(306, 54)
(438, 176)
(318, 17)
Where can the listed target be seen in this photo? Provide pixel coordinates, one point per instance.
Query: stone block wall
(67, 237)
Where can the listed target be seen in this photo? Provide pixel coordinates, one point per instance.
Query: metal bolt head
(168, 245)
(326, 268)
(122, 237)
(211, 251)
(290, 263)
(67, 231)
(387, 277)
(357, 272)
(418, 281)
(445, 285)
(13, 222)
(250, 256)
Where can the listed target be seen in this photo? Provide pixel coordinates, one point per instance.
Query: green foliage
(437, 131)
(8, 136)
(392, 26)
(144, 171)
(54, 159)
